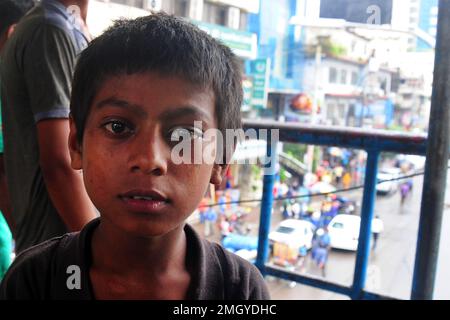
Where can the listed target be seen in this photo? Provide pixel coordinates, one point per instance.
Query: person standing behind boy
(47, 196)
(10, 13)
(140, 88)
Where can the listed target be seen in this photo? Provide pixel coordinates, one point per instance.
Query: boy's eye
(180, 133)
(117, 127)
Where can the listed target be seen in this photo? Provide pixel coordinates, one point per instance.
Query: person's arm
(65, 185)
(48, 63)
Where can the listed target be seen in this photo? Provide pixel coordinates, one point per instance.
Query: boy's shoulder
(31, 271)
(47, 270)
(223, 274)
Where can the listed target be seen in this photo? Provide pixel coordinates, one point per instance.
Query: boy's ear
(74, 146)
(217, 173)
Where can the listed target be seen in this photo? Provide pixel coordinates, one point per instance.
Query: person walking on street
(377, 228)
(320, 250)
(405, 189)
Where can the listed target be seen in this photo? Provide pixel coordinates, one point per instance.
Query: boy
(136, 87)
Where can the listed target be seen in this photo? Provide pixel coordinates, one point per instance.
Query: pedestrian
(405, 189)
(154, 77)
(210, 220)
(338, 171)
(286, 209)
(202, 208)
(322, 245)
(377, 228)
(301, 262)
(224, 227)
(296, 210)
(10, 14)
(47, 196)
(222, 200)
(346, 180)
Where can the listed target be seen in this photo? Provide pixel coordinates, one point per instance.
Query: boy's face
(126, 151)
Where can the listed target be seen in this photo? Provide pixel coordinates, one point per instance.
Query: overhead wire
(315, 194)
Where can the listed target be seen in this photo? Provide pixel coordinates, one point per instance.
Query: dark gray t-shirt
(36, 71)
(47, 271)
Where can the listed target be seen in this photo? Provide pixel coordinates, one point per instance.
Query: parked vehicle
(344, 231)
(295, 231)
(387, 187)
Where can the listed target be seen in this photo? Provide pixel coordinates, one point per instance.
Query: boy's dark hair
(164, 44)
(11, 11)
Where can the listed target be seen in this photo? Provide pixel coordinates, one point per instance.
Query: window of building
(341, 111)
(215, 14)
(243, 21)
(343, 77)
(181, 8)
(177, 7)
(331, 107)
(354, 78)
(332, 75)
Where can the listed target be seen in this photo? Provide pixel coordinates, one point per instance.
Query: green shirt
(5, 246)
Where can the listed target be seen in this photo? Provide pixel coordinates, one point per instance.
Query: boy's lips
(144, 201)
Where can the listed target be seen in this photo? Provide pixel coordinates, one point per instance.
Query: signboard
(243, 44)
(260, 70)
(247, 87)
(359, 11)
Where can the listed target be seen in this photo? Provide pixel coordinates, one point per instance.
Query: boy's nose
(149, 157)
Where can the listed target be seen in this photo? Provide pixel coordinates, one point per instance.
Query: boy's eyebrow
(167, 115)
(112, 101)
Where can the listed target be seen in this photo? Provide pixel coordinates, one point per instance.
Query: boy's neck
(111, 247)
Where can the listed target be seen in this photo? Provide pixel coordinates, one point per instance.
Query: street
(391, 266)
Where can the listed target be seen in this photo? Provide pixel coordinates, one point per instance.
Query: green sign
(243, 44)
(260, 71)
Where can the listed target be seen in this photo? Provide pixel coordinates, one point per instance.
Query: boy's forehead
(147, 78)
(131, 91)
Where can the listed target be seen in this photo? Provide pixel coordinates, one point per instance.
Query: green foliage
(296, 151)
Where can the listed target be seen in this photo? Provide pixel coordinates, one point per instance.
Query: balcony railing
(435, 147)
(373, 142)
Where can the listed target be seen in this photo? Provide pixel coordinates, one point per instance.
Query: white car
(387, 187)
(344, 231)
(299, 232)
